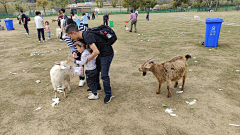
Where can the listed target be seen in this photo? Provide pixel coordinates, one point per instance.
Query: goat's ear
(57, 63)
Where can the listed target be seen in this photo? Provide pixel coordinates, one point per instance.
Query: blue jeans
(103, 66)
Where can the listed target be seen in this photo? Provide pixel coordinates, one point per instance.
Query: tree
(18, 6)
(114, 3)
(195, 4)
(42, 3)
(133, 3)
(5, 4)
(79, 1)
(203, 4)
(177, 3)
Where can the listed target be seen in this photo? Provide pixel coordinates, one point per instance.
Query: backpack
(28, 18)
(104, 32)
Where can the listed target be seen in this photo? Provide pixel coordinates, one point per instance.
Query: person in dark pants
(133, 17)
(25, 22)
(103, 52)
(40, 26)
(105, 19)
(147, 17)
(90, 69)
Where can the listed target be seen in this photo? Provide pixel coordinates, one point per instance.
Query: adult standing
(84, 19)
(136, 13)
(97, 13)
(39, 25)
(103, 52)
(73, 49)
(63, 24)
(60, 17)
(74, 17)
(93, 15)
(25, 22)
(105, 19)
(134, 21)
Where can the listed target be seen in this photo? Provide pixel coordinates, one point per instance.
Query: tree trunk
(44, 9)
(5, 7)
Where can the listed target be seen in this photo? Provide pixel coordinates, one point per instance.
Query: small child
(90, 68)
(47, 28)
(147, 17)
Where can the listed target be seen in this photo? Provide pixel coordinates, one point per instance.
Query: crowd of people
(88, 49)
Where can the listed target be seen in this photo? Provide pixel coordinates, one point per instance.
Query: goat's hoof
(182, 89)
(157, 92)
(168, 96)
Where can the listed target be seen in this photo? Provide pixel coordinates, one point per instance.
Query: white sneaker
(81, 83)
(62, 40)
(92, 96)
(44, 40)
(49, 38)
(26, 34)
(39, 41)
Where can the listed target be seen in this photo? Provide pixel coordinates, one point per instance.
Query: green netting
(117, 11)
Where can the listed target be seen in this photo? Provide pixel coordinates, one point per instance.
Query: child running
(47, 29)
(90, 68)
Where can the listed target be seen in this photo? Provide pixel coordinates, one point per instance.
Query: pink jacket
(47, 28)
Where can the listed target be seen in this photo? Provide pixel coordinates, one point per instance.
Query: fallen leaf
(164, 105)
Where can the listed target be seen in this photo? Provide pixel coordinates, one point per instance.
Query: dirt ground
(136, 109)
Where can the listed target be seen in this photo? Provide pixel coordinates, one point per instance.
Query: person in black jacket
(25, 22)
(105, 19)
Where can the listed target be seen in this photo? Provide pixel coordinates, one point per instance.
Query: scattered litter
(164, 105)
(55, 101)
(1, 79)
(20, 62)
(115, 51)
(180, 87)
(196, 61)
(170, 111)
(231, 89)
(190, 69)
(13, 73)
(237, 70)
(179, 91)
(38, 108)
(60, 49)
(229, 31)
(138, 34)
(46, 68)
(210, 49)
(191, 103)
(194, 57)
(233, 125)
(220, 89)
(38, 81)
(141, 40)
(148, 40)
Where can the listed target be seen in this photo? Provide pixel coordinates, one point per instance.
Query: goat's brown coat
(168, 71)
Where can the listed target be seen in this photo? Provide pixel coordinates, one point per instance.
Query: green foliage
(5, 4)
(42, 3)
(177, 3)
(97, 3)
(195, 4)
(184, 5)
(203, 4)
(165, 6)
(80, 1)
(114, 3)
(18, 6)
(62, 3)
(132, 3)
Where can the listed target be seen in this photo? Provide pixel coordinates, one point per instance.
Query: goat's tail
(188, 56)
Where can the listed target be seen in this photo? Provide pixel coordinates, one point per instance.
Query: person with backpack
(73, 49)
(25, 22)
(40, 26)
(106, 19)
(99, 39)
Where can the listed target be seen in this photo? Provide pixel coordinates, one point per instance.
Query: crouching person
(103, 52)
(90, 68)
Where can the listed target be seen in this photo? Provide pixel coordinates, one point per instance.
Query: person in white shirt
(90, 68)
(40, 26)
(136, 13)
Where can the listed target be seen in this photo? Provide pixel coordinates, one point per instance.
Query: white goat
(58, 32)
(59, 74)
(196, 17)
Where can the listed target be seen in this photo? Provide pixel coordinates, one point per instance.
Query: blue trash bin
(9, 24)
(213, 26)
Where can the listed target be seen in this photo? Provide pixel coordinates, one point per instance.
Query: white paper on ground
(180, 87)
(59, 90)
(38, 81)
(190, 69)
(38, 108)
(233, 125)
(191, 103)
(170, 111)
(55, 101)
(179, 92)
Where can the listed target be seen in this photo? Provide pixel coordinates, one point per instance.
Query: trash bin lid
(210, 20)
(8, 20)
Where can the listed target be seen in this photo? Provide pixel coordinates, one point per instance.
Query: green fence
(199, 9)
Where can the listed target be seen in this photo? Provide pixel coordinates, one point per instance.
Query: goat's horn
(150, 58)
(153, 60)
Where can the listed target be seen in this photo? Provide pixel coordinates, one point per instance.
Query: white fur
(59, 74)
(63, 29)
(196, 17)
(58, 32)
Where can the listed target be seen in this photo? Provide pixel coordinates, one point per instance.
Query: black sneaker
(108, 98)
(130, 30)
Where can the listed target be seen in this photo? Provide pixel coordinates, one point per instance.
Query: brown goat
(167, 71)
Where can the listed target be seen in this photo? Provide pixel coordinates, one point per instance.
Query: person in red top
(47, 29)
(60, 16)
(134, 21)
